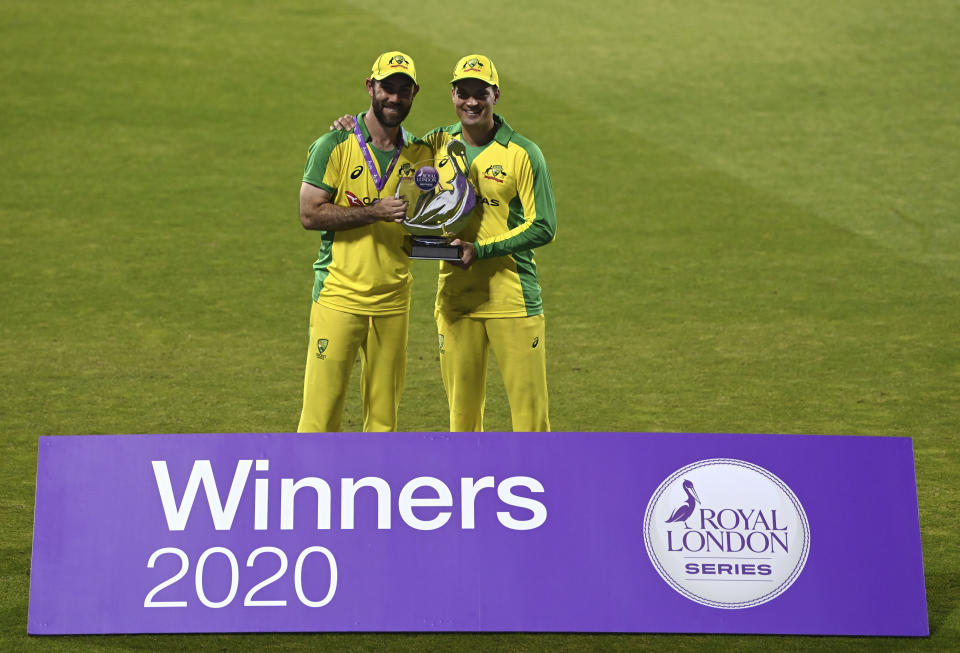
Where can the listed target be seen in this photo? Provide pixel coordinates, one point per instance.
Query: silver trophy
(436, 210)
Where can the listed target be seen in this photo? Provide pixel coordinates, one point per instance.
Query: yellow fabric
(335, 339)
(391, 63)
(476, 66)
(490, 287)
(363, 270)
(519, 346)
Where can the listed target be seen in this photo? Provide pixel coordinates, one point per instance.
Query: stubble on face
(391, 99)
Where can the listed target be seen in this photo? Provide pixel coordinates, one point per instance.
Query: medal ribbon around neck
(371, 166)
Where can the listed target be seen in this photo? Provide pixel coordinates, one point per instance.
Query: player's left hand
(468, 253)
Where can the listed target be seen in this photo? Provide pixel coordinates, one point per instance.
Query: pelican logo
(495, 173)
(726, 533)
(356, 172)
(322, 347)
(442, 211)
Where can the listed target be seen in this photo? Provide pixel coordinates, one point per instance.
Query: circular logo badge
(726, 533)
(426, 178)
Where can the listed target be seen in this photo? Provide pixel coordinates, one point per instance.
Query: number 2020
(249, 600)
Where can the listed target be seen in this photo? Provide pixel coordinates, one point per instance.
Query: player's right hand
(389, 209)
(343, 122)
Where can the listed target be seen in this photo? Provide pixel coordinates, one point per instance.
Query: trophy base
(433, 249)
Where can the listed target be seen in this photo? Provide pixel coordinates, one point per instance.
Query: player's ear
(496, 94)
(416, 89)
(370, 83)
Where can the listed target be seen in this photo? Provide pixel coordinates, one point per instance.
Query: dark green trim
(318, 156)
(526, 267)
(322, 264)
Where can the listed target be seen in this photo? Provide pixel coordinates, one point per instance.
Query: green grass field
(758, 233)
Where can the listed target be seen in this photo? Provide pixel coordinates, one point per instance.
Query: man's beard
(390, 122)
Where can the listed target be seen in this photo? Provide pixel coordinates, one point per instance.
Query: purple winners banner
(590, 532)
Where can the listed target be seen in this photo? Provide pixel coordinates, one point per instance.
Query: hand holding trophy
(436, 213)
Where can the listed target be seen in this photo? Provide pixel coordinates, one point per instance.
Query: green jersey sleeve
(322, 168)
(532, 220)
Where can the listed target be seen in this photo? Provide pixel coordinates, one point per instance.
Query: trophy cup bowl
(436, 213)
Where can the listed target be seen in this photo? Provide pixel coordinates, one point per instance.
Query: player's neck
(480, 134)
(382, 137)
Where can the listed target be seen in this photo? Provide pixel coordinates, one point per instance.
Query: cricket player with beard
(361, 293)
(490, 299)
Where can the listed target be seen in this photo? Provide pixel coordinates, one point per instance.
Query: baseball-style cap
(391, 63)
(476, 66)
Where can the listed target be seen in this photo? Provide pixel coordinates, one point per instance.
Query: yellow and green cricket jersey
(364, 270)
(515, 213)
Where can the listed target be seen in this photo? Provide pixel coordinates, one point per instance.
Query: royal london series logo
(726, 533)
(496, 173)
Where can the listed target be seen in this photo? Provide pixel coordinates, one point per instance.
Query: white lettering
(468, 496)
(348, 489)
(223, 509)
(202, 472)
(287, 491)
(538, 509)
(407, 502)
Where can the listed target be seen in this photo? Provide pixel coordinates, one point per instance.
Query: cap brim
(391, 74)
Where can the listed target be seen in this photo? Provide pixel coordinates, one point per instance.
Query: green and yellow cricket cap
(476, 66)
(391, 63)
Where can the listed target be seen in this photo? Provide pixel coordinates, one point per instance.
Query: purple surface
(99, 518)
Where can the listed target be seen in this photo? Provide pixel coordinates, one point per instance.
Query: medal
(379, 181)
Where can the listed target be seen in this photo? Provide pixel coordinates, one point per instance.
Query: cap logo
(398, 61)
(473, 65)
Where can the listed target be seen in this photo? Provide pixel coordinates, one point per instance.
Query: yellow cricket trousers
(520, 349)
(335, 339)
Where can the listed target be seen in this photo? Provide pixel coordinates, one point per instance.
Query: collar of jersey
(504, 131)
(366, 132)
